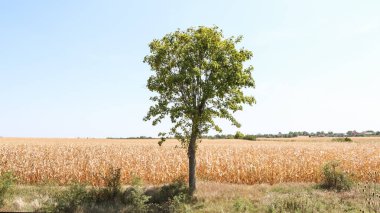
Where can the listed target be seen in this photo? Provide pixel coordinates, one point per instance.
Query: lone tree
(198, 76)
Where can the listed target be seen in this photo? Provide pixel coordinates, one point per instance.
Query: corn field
(271, 161)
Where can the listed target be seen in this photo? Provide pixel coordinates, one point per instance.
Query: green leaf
(198, 75)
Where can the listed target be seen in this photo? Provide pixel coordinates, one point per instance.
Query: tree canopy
(198, 76)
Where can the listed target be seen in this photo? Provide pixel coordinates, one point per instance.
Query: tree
(239, 135)
(198, 76)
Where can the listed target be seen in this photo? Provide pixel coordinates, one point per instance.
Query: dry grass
(270, 161)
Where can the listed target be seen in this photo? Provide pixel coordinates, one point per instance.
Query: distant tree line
(353, 133)
(140, 137)
(239, 135)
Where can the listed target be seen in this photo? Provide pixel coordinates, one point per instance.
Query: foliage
(136, 181)
(6, 181)
(346, 139)
(239, 135)
(179, 203)
(249, 137)
(135, 196)
(78, 195)
(219, 136)
(169, 192)
(122, 138)
(68, 200)
(198, 77)
(168, 198)
(334, 178)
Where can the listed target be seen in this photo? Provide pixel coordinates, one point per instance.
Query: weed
(243, 205)
(6, 181)
(334, 178)
(371, 192)
(179, 203)
(135, 197)
(67, 200)
(77, 195)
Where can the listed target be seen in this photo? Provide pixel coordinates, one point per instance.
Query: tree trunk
(192, 164)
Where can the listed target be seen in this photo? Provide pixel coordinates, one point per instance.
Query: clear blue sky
(74, 68)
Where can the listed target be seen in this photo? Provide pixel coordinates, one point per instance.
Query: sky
(75, 68)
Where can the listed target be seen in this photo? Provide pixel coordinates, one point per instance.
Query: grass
(286, 197)
(6, 182)
(219, 197)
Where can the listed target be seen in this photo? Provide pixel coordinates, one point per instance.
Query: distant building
(368, 133)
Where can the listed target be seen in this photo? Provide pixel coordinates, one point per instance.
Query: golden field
(38, 160)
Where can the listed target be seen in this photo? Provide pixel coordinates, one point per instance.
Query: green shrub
(334, 178)
(135, 197)
(239, 135)
(136, 181)
(77, 195)
(342, 139)
(68, 200)
(6, 181)
(172, 197)
(179, 203)
(249, 137)
(168, 192)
